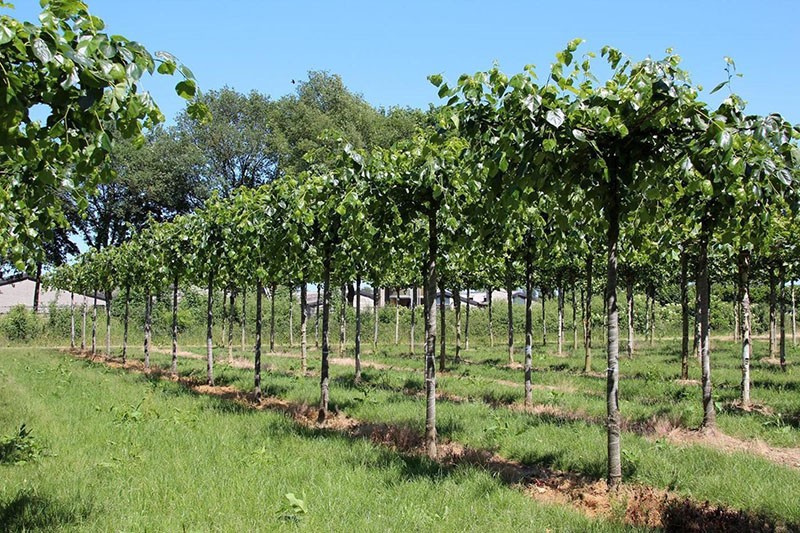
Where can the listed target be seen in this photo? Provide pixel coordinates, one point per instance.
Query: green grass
(124, 452)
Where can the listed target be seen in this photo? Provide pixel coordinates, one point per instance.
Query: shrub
(19, 324)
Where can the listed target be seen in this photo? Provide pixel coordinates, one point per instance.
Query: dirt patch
(690, 382)
(773, 361)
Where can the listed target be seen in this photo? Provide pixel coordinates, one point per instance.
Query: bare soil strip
(632, 504)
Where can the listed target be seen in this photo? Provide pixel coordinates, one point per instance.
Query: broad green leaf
(555, 117)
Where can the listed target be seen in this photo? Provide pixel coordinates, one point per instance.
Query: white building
(19, 290)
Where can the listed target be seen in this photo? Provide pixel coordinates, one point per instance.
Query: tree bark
(684, 282)
(773, 345)
(412, 333)
(587, 340)
(697, 333)
(544, 319)
(491, 329)
(443, 324)
(257, 346)
(83, 325)
(224, 321)
(560, 300)
(737, 326)
(303, 327)
(629, 295)
(174, 367)
(457, 304)
(243, 318)
(148, 324)
(273, 294)
(652, 314)
(291, 317)
(94, 325)
(397, 318)
(343, 321)
(125, 325)
(231, 313)
(794, 315)
(37, 288)
(612, 338)
(466, 324)
(209, 330)
(744, 300)
(709, 415)
(647, 313)
(375, 322)
(782, 303)
(574, 322)
(528, 326)
(430, 341)
(316, 319)
(72, 319)
(108, 324)
(324, 377)
(357, 354)
(510, 304)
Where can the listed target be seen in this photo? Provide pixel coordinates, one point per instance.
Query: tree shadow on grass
(27, 511)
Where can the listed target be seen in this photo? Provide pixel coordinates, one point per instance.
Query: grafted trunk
(83, 325)
(273, 294)
(231, 312)
(744, 300)
(709, 415)
(257, 346)
(291, 317)
(466, 324)
(343, 321)
(174, 367)
(412, 332)
(125, 325)
(326, 313)
(209, 329)
(243, 318)
(510, 304)
(108, 324)
(430, 341)
(316, 318)
(528, 327)
(612, 339)
(574, 322)
(560, 319)
(629, 296)
(587, 328)
(72, 320)
(357, 354)
(148, 317)
(491, 329)
(457, 304)
(303, 327)
(397, 317)
(773, 345)
(443, 335)
(94, 325)
(684, 282)
(782, 303)
(375, 321)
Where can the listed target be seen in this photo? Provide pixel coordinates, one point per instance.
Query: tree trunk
(560, 319)
(303, 327)
(209, 330)
(257, 347)
(782, 303)
(430, 341)
(94, 325)
(273, 293)
(231, 313)
(466, 324)
(612, 338)
(652, 314)
(108, 324)
(737, 326)
(72, 319)
(291, 317)
(243, 318)
(544, 319)
(709, 416)
(125, 325)
(37, 288)
(697, 333)
(587, 328)
(773, 345)
(326, 313)
(343, 322)
(148, 324)
(510, 304)
(794, 316)
(457, 304)
(491, 329)
(397, 317)
(684, 282)
(629, 295)
(646, 313)
(357, 354)
(574, 322)
(528, 326)
(744, 299)
(224, 321)
(375, 322)
(412, 334)
(174, 367)
(83, 325)
(316, 319)
(443, 324)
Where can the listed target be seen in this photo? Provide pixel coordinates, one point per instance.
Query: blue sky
(385, 50)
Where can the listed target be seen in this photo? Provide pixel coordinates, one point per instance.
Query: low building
(20, 290)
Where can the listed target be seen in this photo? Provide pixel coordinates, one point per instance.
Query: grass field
(125, 451)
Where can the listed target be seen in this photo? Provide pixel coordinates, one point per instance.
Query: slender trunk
(709, 416)
(303, 327)
(443, 334)
(544, 319)
(108, 324)
(209, 330)
(273, 293)
(466, 324)
(357, 354)
(560, 319)
(652, 315)
(231, 311)
(510, 305)
(647, 313)
(744, 299)
(326, 312)
(574, 322)
(72, 319)
(243, 318)
(257, 347)
(375, 322)
(413, 319)
(684, 282)
(528, 326)
(291, 317)
(491, 329)
(794, 315)
(737, 326)
(37, 288)
(342, 322)
(587, 341)
(224, 321)
(457, 304)
(397, 317)
(697, 333)
(612, 338)
(94, 324)
(174, 368)
(773, 345)
(83, 325)
(782, 303)
(148, 324)
(316, 319)
(125, 325)
(629, 295)
(430, 341)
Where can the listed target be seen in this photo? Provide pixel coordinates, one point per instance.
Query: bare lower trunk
(491, 329)
(652, 315)
(83, 325)
(94, 325)
(544, 320)
(125, 325)
(430, 340)
(684, 282)
(291, 317)
(443, 334)
(148, 317)
(37, 287)
(231, 313)
(528, 327)
(257, 346)
(174, 367)
(412, 331)
(375, 321)
(773, 345)
(744, 300)
(697, 333)
(397, 318)
(108, 323)
(224, 321)
(629, 296)
(273, 294)
(303, 327)
(646, 314)
(794, 315)
(574, 322)
(737, 326)
(357, 353)
(782, 303)
(510, 305)
(587, 340)
(709, 415)
(209, 329)
(560, 319)
(612, 373)
(343, 322)
(466, 324)
(324, 366)
(243, 318)
(72, 319)
(457, 304)
(316, 319)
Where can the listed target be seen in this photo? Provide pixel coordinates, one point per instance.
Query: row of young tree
(521, 183)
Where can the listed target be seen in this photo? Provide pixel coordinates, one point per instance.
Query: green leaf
(718, 87)
(186, 89)
(435, 79)
(167, 68)
(555, 117)
(42, 51)
(6, 34)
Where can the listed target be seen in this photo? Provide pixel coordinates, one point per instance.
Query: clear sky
(385, 50)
